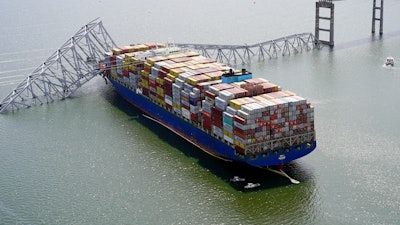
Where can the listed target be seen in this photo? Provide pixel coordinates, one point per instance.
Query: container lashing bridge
(78, 60)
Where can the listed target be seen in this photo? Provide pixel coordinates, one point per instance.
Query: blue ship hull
(205, 141)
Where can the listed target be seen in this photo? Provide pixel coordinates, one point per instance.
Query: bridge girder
(72, 65)
(242, 54)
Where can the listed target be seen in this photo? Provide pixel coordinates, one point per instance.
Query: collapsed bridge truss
(67, 69)
(78, 60)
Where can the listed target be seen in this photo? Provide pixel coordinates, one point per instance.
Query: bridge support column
(374, 18)
(329, 5)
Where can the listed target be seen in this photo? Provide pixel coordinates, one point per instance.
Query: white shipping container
(194, 109)
(210, 99)
(243, 114)
(186, 103)
(206, 105)
(158, 65)
(228, 139)
(185, 93)
(231, 110)
(228, 127)
(227, 115)
(152, 77)
(154, 71)
(176, 100)
(187, 87)
(186, 113)
(226, 95)
(221, 103)
(179, 82)
(176, 87)
(217, 131)
(178, 110)
(168, 99)
(196, 91)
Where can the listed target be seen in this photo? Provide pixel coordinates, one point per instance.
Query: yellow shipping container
(155, 59)
(229, 134)
(140, 47)
(237, 143)
(116, 51)
(160, 101)
(235, 103)
(160, 91)
(194, 80)
(159, 81)
(145, 73)
(170, 76)
(176, 71)
(125, 65)
(145, 83)
(238, 102)
(177, 106)
(132, 68)
(135, 60)
(147, 65)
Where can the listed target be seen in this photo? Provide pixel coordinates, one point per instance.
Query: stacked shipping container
(247, 113)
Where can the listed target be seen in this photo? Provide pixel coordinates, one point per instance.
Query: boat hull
(206, 141)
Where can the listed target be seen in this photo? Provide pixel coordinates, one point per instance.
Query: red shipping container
(152, 84)
(206, 115)
(113, 59)
(194, 117)
(185, 106)
(240, 120)
(147, 69)
(162, 73)
(217, 123)
(207, 124)
(240, 150)
(145, 92)
(216, 113)
(125, 73)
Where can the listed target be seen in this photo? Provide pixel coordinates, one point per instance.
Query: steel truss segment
(234, 54)
(75, 63)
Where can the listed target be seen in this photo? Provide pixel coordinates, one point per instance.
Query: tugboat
(389, 61)
(251, 185)
(237, 179)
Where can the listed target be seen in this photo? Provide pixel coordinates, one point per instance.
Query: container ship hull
(224, 112)
(202, 139)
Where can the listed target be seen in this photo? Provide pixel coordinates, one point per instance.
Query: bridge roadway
(77, 61)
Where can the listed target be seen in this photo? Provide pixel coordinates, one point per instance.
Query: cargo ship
(225, 112)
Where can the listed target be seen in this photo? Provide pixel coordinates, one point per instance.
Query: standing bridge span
(243, 54)
(78, 60)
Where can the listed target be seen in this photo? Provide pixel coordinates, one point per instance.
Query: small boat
(389, 61)
(237, 179)
(251, 185)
